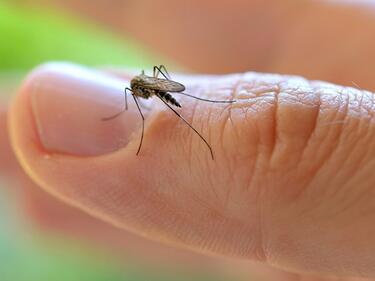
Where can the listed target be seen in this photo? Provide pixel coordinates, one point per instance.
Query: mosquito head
(137, 80)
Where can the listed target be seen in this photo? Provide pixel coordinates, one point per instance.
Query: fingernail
(69, 103)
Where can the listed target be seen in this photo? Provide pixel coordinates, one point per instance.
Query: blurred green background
(30, 35)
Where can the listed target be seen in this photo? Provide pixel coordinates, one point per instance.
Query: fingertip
(55, 123)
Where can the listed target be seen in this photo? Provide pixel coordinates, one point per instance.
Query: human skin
(291, 182)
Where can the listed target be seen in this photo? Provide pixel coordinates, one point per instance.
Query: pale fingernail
(69, 103)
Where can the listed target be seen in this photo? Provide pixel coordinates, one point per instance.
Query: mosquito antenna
(216, 101)
(158, 70)
(126, 107)
(187, 123)
(143, 123)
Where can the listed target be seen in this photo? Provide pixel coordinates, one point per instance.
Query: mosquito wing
(162, 84)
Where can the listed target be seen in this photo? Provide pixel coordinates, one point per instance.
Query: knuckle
(287, 127)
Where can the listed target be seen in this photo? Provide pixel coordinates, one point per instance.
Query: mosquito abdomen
(168, 98)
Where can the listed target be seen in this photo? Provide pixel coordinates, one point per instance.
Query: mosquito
(144, 86)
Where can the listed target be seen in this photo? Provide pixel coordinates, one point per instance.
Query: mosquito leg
(187, 123)
(198, 98)
(162, 66)
(126, 97)
(143, 123)
(126, 107)
(158, 70)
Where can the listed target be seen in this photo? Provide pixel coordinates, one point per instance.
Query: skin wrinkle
(249, 181)
(346, 206)
(365, 128)
(310, 138)
(237, 105)
(224, 128)
(206, 159)
(260, 211)
(314, 118)
(231, 171)
(211, 208)
(349, 154)
(178, 125)
(234, 96)
(366, 119)
(234, 93)
(354, 199)
(350, 203)
(371, 120)
(215, 244)
(319, 165)
(231, 166)
(209, 139)
(369, 211)
(276, 140)
(191, 121)
(205, 204)
(333, 151)
(284, 98)
(259, 208)
(249, 108)
(352, 171)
